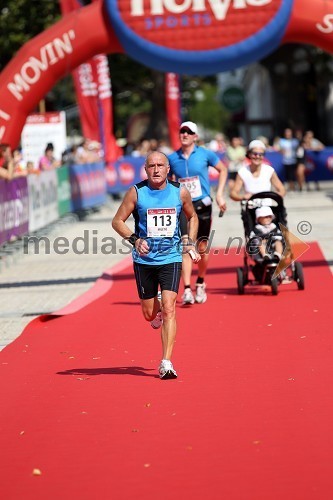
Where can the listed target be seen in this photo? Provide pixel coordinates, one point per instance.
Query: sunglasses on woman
(259, 155)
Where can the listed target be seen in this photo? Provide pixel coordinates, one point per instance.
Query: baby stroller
(258, 271)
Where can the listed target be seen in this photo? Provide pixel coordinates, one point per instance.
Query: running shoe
(157, 321)
(166, 370)
(159, 295)
(201, 295)
(187, 297)
(276, 257)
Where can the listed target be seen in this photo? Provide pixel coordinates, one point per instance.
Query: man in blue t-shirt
(156, 204)
(189, 165)
(288, 146)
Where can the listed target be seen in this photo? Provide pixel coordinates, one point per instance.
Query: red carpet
(249, 418)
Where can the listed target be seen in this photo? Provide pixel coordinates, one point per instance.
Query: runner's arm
(193, 224)
(277, 184)
(222, 169)
(124, 211)
(235, 193)
(119, 221)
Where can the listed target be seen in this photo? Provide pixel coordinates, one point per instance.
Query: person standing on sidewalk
(6, 162)
(189, 165)
(288, 147)
(156, 204)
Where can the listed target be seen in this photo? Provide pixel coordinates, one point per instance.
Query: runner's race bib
(192, 184)
(161, 222)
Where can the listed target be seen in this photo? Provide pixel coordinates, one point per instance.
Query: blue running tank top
(156, 219)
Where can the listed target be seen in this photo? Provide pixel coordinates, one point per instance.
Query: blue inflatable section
(201, 62)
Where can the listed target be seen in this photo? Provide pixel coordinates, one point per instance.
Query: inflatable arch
(181, 36)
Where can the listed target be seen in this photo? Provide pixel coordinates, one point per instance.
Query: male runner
(156, 204)
(189, 165)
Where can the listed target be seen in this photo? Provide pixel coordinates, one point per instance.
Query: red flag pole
(173, 108)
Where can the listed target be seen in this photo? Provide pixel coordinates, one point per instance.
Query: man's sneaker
(201, 295)
(187, 297)
(157, 321)
(166, 370)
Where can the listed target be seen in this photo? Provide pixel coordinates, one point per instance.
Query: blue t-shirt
(192, 169)
(156, 219)
(289, 153)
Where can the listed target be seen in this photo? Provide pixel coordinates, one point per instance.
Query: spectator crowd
(12, 163)
(292, 145)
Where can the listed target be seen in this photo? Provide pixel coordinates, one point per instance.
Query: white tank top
(258, 184)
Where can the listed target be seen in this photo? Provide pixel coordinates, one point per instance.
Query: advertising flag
(173, 108)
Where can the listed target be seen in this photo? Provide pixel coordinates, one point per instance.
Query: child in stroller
(266, 244)
(266, 240)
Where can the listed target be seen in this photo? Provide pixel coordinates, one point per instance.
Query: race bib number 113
(161, 222)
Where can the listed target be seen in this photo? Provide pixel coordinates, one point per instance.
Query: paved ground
(36, 282)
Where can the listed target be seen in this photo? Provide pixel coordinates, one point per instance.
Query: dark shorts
(232, 176)
(149, 277)
(290, 172)
(205, 219)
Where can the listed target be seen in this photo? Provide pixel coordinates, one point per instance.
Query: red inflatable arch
(89, 31)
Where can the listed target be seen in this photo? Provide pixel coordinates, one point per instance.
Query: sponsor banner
(43, 199)
(87, 98)
(128, 170)
(173, 106)
(41, 129)
(94, 95)
(14, 208)
(64, 191)
(125, 172)
(105, 101)
(319, 165)
(196, 36)
(88, 185)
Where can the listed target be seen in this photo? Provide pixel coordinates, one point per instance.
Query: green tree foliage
(21, 20)
(133, 86)
(202, 106)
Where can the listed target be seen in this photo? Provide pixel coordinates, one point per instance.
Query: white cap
(256, 144)
(263, 212)
(191, 126)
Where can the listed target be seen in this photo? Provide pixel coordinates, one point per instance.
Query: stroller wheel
(275, 286)
(240, 280)
(299, 276)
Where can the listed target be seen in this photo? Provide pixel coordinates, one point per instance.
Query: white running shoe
(157, 321)
(201, 295)
(166, 370)
(187, 297)
(159, 295)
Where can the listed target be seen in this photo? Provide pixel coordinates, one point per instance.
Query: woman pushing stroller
(256, 176)
(253, 188)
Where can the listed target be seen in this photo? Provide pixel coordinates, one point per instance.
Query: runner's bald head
(153, 153)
